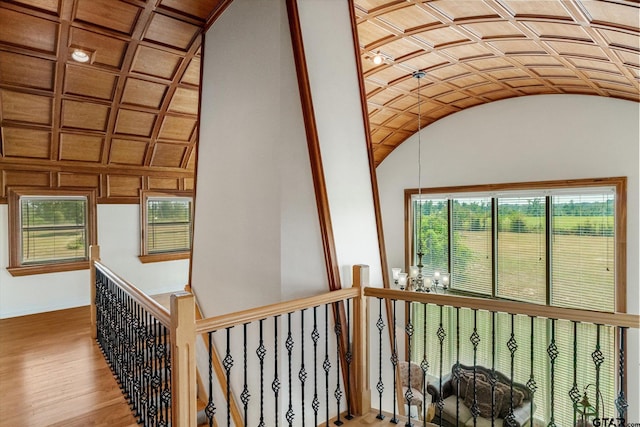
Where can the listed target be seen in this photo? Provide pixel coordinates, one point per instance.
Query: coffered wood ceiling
(476, 52)
(127, 120)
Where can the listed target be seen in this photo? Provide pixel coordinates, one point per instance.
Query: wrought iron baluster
(302, 374)
(531, 384)
(261, 352)
(275, 385)
(227, 363)
(621, 403)
(598, 359)
(380, 384)
(552, 351)
(289, 346)
(493, 378)
(245, 396)
(210, 409)
(574, 393)
(338, 391)
(441, 336)
(424, 364)
(456, 373)
(166, 389)
(348, 359)
(315, 336)
(475, 340)
(326, 365)
(512, 345)
(408, 395)
(155, 379)
(394, 364)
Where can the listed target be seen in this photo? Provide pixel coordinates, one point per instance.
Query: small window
(166, 226)
(50, 230)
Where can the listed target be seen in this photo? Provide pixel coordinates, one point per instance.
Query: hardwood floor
(53, 374)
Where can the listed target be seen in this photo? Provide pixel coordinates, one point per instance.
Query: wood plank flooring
(53, 374)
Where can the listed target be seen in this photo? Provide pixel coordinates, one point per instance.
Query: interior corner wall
(333, 78)
(118, 237)
(257, 237)
(533, 138)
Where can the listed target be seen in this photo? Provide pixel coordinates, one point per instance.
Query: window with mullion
(168, 224)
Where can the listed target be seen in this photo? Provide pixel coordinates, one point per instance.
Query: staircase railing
(297, 363)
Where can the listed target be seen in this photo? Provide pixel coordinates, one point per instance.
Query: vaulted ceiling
(133, 108)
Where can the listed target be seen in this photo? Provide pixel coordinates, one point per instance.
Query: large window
(50, 230)
(534, 242)
(166, 224)
(541, 243)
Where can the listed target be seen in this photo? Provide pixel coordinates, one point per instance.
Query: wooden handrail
(624, 320)
(148, 303)
(246, 316)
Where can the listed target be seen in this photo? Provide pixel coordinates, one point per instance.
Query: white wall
(534, 138)
(118, 237)
(257, 238)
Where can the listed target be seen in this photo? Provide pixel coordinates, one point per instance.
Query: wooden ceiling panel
(440, 37)
(192, 74)
(578, 49)
(537, 8)
(171, 32)
(404, 102)
(108, 51)
(26, 71)
(143, 93)
(628, 58)
(127, 152)
(79, 180)
(468, 51)
(379, 135)
(409, 18)
(163, 183)
(89, 82)
(177, 128)
(371, 33)
(621, 39)
(18, 178)
(29, 32)
(191, 165)
(494, 30)
(197, 8)
(155, 62)
(84, 115)
(518, 47)
(131, 122)
(27, 108)
(184, 101)
(611, 14)
(425, 61)
(114, 15)
(86, 148)
(52, 6)
(26, 143)
(123, 186)
(458, 10)
(557, 30)
(168, 155)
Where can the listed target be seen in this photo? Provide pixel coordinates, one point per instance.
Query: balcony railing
(311, 361)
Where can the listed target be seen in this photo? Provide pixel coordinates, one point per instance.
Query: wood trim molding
(145, 259)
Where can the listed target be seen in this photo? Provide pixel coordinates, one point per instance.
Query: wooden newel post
(184, 388)
(361, 341)
(94, 255)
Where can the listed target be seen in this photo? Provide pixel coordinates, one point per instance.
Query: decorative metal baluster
(338, 391)
(456, 372)
(552, 351)
(155, 379)
(146, 373)
(348, 358)
(210, 409)
(380, 384)
(512, 345)
(326, 365)
(244, 396)
(574, 393)
(598, 359)
(227, 363)
(493, 378)
(441, 336)
(408, 395)
(302, 374)
(315, 336)
(424, 364)
(261, 352)
(275, 385)
(531, 384)
(621, 403)
(475, 340)
(394, 363)
(166, 390)
(289, 346)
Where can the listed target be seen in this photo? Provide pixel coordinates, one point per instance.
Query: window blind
(53, 229)
(168, 225)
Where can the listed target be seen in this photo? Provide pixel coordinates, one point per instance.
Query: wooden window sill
(163, 257)
(28, 270)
